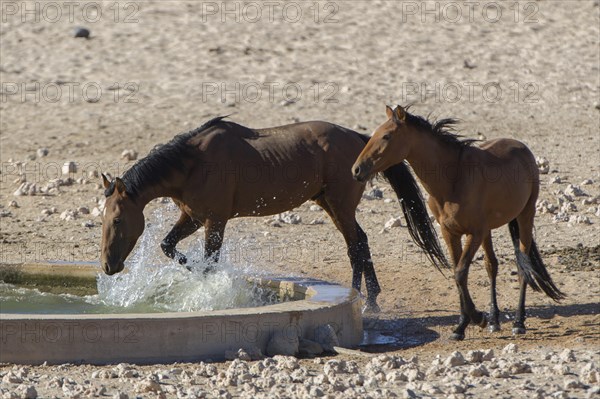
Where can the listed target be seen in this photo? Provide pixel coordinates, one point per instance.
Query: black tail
(415, 212)
(534, 271)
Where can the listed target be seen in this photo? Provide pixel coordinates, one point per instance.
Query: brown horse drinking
(223, 170)
(472, 191)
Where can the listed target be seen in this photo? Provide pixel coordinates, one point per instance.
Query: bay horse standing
(223, 170)
(473, 190)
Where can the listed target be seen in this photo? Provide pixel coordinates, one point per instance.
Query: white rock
(580, 219)
(69, 167)
(13, 204)
(555, 180)
(42, 152)
(474, 356)
(148, 385)
(69, 214)
(93, 174)
(479, 371)
(572, 383)
(561, 217)
(315, 208)
(316, 221)
(567, 355)
(511, 348)
(129, 155)
(574, 191)
(96, 212)
(393, 222)
(587, 182)
(26, 188)
(543, 165)
(455, 359)
(373, 194)
(288, 218)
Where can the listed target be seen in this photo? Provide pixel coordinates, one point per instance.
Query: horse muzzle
(361, 172)
(112, 268)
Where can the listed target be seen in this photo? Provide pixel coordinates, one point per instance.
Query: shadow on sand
(387, 334)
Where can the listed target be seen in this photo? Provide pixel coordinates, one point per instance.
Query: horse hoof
(494, 328)
(372, 307)
(484, 321)
(457, 337)
(518, 330)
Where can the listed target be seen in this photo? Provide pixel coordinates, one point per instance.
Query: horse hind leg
(357, 246)
(491, 265)
(184, 227)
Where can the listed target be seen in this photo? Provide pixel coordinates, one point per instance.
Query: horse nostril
(357, 170)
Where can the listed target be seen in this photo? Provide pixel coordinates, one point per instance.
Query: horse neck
(168, 187)
(434, 163)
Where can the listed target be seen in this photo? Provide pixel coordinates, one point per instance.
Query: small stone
(42, 152)
(129, 155)
(13, 204)
(80, 32)
(573, 384)
(96, 212)
(288, 218)
(574, 191)
(93, 174)
(69, 214)
(475, 356)
(555, 180)
(373, 194)
(315, 208)
(316, 221)
(83, 210)
(510, 348)
(543, 165)
(26, 392)
(580, 219)
(69, 167)
(393, 222)
(567, 355)
(479, 371)
(455, 359)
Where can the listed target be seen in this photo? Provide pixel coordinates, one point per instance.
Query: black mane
(443, 129)
(156, 166)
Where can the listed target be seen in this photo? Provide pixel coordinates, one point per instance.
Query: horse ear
(120, 186)
(105, 181)
(389, 112)
(400, 113)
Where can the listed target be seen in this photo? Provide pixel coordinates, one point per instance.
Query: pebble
(455, 359)
(69, 214)
(13, 204)
(80, 32)
(288, 218)
(26, 188)
(129, 155)
(315, 208)
(42, 152)
(574, 191)
(393, 222)
(543, 165)
(555, 180)
(316, 221)
(580, 219)
(69, 167)
(510, 348)
(374, 194)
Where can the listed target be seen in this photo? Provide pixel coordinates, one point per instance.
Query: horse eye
(387, 136)
(117, 221)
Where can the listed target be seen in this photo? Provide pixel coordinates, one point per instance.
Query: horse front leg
(461, 273)
(183, 228)
(214, 231)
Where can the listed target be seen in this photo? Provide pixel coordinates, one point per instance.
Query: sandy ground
(151, 70)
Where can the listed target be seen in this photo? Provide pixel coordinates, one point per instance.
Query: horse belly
(275, 192)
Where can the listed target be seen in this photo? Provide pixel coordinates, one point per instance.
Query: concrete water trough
(169, 337)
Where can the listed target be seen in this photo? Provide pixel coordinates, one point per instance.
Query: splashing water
(152, 282)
